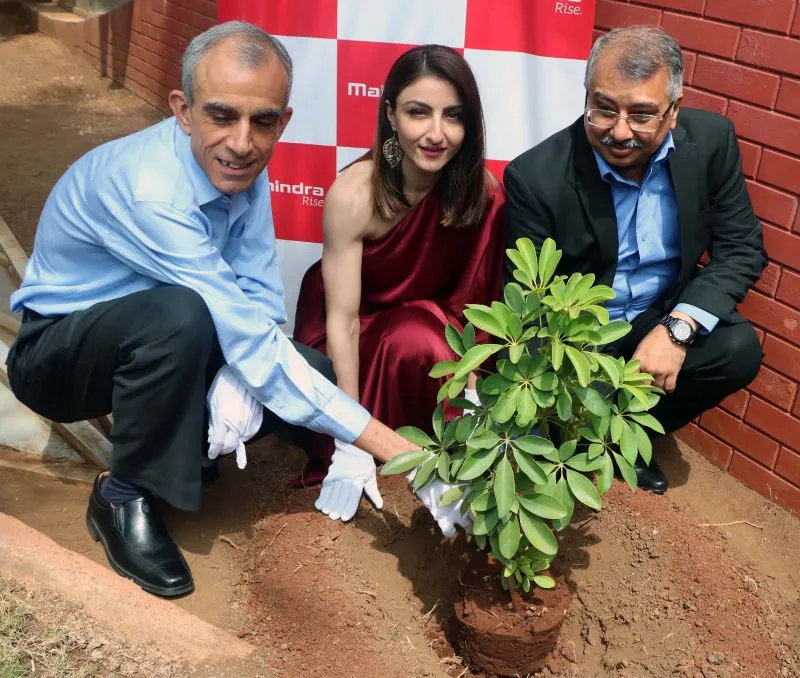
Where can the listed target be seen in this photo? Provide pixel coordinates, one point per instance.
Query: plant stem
(516, 600)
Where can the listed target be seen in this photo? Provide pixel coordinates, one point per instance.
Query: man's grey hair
(254, 45)
(643, 51)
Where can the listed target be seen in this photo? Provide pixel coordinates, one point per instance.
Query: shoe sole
(157, 590)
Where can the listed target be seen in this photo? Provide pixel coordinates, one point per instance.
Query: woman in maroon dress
(412, 233)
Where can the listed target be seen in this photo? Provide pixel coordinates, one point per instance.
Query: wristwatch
(680, 331)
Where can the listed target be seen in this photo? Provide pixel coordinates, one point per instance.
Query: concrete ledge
(113, 601)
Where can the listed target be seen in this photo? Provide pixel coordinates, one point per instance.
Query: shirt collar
(608, 173)
(204, 190)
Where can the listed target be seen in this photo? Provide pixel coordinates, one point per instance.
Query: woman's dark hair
(462, 187)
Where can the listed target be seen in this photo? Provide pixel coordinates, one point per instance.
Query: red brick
(772, 204)
(765, 482)
(611, 14)
(780, 170)
(768, 282)
(699, 99)
(736, 403)
(691, 6)
(741, 436)
(751, 154)
(782, 356)
(188, 17)
(796, 26)
(713, 449)
(698, 34)
(172, 25)
(789, 97)
(777, 389)
(774, 52)
(788, 465)
(796, 410)
(777, 423)
(773, 129)
(782, 246)
(207, 8)
(760, 334)
(774, 15)
(772, 315)
(789, 288)
(689, 62)
(735, 80)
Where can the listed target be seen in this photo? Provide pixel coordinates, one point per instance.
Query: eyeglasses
(638, 122)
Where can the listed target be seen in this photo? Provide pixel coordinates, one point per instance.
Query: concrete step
(55, 21)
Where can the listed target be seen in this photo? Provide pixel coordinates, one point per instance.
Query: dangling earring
(392, 151)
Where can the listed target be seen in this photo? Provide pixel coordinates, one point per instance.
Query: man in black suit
(635, 191)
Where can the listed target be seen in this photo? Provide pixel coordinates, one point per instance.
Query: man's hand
(234, 416)
(662, 357)
(447, 517)
(352, 472)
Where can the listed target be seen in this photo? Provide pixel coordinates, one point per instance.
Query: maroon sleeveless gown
(414, 280)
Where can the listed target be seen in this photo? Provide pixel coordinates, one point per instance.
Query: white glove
(234, 416)
(446, 517)
(352, 472)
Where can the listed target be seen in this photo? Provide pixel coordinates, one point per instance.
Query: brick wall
(743, 60)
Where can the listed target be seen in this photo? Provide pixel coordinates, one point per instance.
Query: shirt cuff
(343, 418)
(706, 321)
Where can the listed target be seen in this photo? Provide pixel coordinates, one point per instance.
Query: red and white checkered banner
(528, 57)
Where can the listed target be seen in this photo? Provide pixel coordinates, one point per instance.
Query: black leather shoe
(138, 545)
(650, 477)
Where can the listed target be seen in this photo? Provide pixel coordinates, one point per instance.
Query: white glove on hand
(446, 517)
(234, 416)
(352, 472)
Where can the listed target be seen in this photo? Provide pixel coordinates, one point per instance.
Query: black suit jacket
(555, 190)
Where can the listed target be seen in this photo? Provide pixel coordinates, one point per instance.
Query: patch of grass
(30, 647)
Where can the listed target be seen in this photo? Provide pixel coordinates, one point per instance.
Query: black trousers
(717, 364)
(149, 358)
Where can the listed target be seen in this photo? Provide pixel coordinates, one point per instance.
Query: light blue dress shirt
(649, 239)
(138, 213)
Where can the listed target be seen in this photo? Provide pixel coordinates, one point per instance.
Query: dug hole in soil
(702, 582)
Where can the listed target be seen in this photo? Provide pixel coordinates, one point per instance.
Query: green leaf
(506, 405)
(485, 320)
(562, 493)
(533, 444)
(584, 490)
(456, 386)
(495, 384)
(438, 421)
(526, 585)
(637, 393)
(616, 428)
(443, 368)
(475, 465)
(416, 436)
(509, 537)
(548, 260)
(443, 466)
(598, 312)
(485, 522)
(593, 401)
(626, 471)
(465, 426)
(583, 463)
(543, 505)
(454, 341)
(605, 474)
(546, 381)
(557, 354)
(627, 444)
(611, 367)
(647, 420)
(484, 440)
(515, 352)
(538, 534)
(514, 298)
(595, 450)
(468, 336)
(564, 406)
(424, 474)
(404, 462)
(452, 495)
(567, 449)
(530, 468)
(504, 487)
(612, 331)
(475, 357)
(643, 443)
(526, 408)
(545, 582)
(484, 501)
(580, 363)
